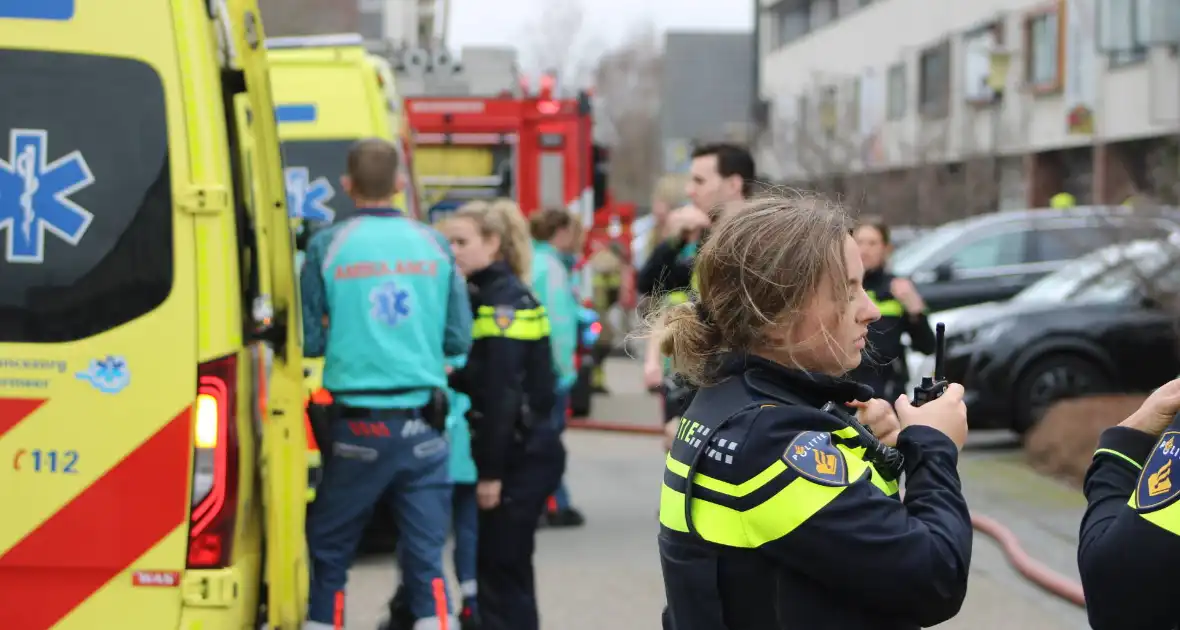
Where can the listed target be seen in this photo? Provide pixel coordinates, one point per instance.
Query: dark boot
(569, 517)
(400, 617)
(469, 615)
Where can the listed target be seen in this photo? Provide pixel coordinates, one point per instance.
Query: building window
(829, 111)
(896, 92)
(934, 81)
(822, 12)
(978, 46)
(1117, 32)
(803, 118)
(793, 20)
(854, 107)
(1043, 51)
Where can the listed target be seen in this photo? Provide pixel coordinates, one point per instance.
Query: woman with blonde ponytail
(509, 378)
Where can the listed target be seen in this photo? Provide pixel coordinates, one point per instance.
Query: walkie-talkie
(934, 385)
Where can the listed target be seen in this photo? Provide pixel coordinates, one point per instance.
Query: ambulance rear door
(284, 441)
(98, 309)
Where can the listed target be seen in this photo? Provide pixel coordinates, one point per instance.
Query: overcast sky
(506, 22)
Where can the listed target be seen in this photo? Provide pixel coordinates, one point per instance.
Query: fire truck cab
(536, 149)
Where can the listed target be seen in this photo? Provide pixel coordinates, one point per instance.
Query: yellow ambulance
(154, 472)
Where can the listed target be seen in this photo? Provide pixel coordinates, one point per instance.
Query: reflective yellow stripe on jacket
(888, 308)
(524, 324)
(770, 520)
(680, 297)
(1167, 518)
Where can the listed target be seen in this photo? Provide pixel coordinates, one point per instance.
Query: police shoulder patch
(1156, 489)
(504, 316)
(812, 455)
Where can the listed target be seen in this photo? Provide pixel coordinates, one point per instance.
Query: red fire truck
(536, 149)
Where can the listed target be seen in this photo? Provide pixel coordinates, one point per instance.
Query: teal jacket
(462, 463)
(551, 285)
(395, 305)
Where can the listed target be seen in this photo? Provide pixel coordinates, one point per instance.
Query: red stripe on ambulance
(14, 410)
(99, 533)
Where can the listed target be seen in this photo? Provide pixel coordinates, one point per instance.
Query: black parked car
(1106, 323)
(995, 256)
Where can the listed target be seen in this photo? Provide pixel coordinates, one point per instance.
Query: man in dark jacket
(721, 176)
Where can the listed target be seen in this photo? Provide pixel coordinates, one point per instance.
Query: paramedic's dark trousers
(376, 453)
(507, 534)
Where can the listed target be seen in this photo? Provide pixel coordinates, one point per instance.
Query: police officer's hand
(947, 413)
(907, 294)
(878, 417)
(487, 493)
(1156, 413)
(687, 222)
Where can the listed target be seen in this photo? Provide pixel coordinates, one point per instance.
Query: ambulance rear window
(313, 169)
(85, 195)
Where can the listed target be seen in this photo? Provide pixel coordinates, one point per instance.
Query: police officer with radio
(903, 311)
(384, 306)
(1129, 546)
(772, 516)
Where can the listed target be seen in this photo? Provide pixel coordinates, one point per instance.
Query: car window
(85, 195)
(1068, 243)
(312, 170)
(913, 256)
(996, 250)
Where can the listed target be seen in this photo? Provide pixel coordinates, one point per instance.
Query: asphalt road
(607, 575)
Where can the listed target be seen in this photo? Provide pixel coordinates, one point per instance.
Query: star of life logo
(390, 304)
(308, 199)
(35, 196)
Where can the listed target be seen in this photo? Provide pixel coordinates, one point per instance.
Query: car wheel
(1052, 379)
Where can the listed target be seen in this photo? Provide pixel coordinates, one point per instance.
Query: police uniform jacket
(509, 374)
(790, 528)
(668, 269)
(1129, 546)
(882, 365)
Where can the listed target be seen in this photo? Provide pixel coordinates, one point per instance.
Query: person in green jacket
(554, 233)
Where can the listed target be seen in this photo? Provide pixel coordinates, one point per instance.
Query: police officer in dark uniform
(771, 517)
(510, 380)
(1129, 548)
(883, 366)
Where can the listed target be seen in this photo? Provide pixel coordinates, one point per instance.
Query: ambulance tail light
(215, 465)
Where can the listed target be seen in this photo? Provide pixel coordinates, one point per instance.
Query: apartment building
(1026, 98)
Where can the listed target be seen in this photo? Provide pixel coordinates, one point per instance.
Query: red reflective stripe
(321, 397)
(14, 410)
(312, 445)
(100, 532)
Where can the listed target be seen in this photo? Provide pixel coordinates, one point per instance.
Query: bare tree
(558, 42)
(627, 86)
(309, 17)
(905, 178)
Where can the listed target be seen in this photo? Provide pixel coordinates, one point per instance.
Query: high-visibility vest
(681, 296)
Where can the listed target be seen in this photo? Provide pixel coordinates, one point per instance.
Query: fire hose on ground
(1031, 569)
